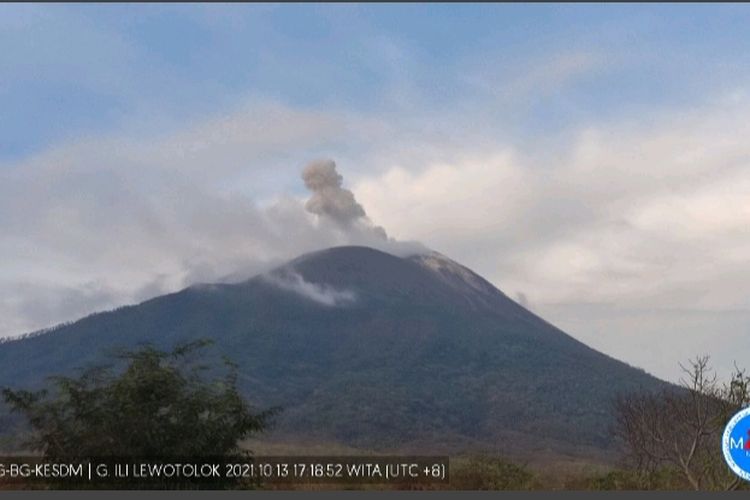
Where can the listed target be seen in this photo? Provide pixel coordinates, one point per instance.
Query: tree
(158, 404)
(680, 428)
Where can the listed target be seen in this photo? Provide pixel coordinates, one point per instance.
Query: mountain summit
(365, 349)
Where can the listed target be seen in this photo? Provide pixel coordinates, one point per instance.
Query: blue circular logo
(736, 444)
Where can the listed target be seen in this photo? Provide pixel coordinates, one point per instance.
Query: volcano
(373, 351)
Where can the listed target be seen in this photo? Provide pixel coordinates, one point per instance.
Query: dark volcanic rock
(371, 350)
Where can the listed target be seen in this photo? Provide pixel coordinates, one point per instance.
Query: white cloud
(651, 218)
(113, 220)
(640, 215)
(647, 215)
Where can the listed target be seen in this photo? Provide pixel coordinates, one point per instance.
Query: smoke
(60, 226)
(320, 293)
(342, 218)
(330, 200)
(523, 301)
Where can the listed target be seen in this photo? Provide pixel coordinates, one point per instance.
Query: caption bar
(168, 472)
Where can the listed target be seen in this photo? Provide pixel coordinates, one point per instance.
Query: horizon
(587, 160)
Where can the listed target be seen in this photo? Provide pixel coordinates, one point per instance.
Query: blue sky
(590, 160)
(70, 70)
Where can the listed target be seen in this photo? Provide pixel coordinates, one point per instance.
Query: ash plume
(332, 201)
(329, 198)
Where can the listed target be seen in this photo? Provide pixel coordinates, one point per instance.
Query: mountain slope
(371, 350)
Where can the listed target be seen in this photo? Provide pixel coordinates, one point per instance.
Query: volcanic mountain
(369, 350)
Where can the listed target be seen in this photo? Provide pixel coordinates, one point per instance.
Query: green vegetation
(417, 358)
(160, 404)
(418, 362)
(153, 403)
(490, 473)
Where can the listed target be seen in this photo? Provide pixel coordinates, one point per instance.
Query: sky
(591, 161)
